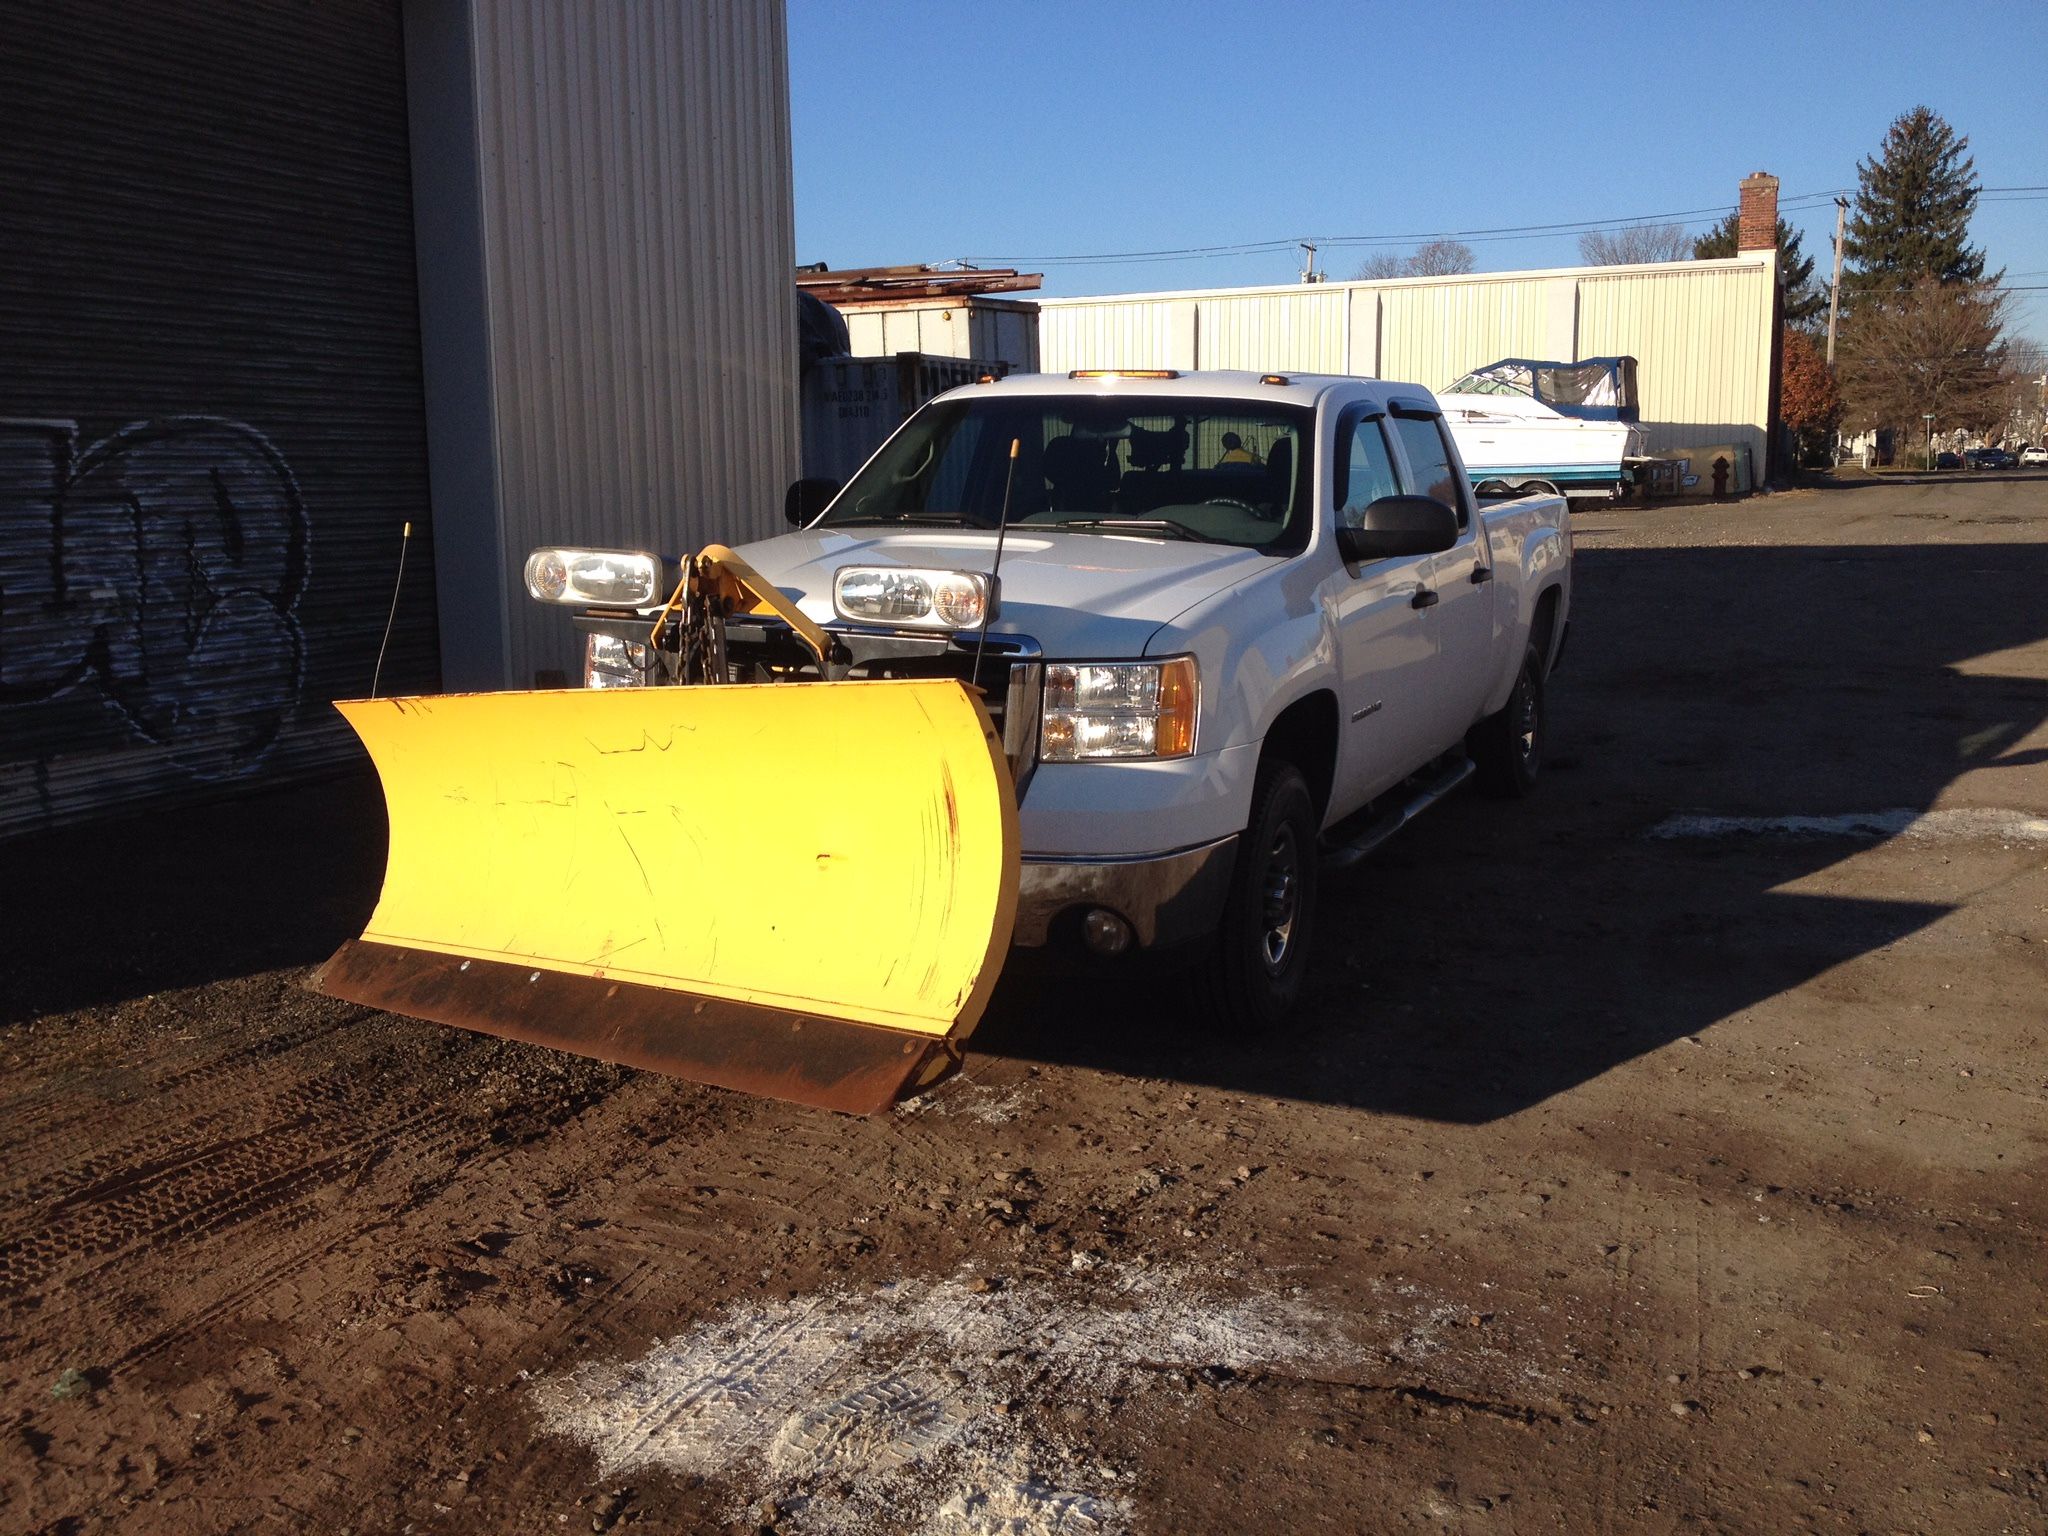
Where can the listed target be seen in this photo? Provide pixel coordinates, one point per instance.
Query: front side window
(1215, 471)
(1430, 472)
(1365, 469)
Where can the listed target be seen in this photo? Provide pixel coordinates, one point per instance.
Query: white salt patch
(1029, 1508)
(917, 1406)
(1935, 826)
(963, 1096)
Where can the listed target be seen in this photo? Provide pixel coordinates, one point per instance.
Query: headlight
(609, 662)
(1118, 709)
(911, 598)
(606, 578)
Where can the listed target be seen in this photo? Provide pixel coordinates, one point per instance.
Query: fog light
(1105, 932)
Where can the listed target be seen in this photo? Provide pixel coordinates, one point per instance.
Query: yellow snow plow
(798, 888)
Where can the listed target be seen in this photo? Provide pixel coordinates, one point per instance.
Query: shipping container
(851, 404)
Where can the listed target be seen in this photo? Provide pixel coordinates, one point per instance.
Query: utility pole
(1835, 288)
(1309, 274)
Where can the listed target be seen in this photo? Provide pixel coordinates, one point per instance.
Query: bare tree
(1934, 349)
(1437, 258)
(1384, 264)
(1441, 258)
(1633, 244)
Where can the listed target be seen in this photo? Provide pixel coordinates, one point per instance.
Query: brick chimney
(1757, 227)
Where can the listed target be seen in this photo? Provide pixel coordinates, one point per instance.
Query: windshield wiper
(935, 519)
(1163, 525)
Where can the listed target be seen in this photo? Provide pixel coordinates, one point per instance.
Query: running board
(1354, 847)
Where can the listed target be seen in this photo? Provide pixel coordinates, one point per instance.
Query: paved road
(1643, 1160)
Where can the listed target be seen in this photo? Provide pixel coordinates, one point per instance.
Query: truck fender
(1532, 561)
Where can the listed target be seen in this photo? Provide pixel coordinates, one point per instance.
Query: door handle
(1481, 573)
(1424, 598)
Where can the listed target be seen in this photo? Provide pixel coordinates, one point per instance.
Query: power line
(1802, 202)
(1500, 232)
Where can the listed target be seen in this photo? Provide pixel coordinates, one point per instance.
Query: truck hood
(1076, 594)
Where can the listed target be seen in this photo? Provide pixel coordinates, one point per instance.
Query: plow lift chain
(715, 584)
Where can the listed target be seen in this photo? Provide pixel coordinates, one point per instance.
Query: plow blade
(798, 890)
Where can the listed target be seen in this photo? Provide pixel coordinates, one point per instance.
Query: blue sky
(926, 131)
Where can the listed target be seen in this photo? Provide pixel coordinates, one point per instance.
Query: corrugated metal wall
(1302, 329)
(639, 239)
(976, 327)
(1700, 330)
(1709, 329)
(1428, 333)
(1132, 332)
(211, 426)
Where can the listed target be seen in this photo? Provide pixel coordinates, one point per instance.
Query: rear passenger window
(1368, 472)
(1429, 462)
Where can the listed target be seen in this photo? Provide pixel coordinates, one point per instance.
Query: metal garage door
(211, 423)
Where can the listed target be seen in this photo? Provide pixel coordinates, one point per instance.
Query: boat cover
(1593, 389)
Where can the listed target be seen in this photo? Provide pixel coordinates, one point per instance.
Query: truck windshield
(1218, 471)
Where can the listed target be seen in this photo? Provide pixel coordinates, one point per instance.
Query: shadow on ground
(1498, 954)
(119, 909)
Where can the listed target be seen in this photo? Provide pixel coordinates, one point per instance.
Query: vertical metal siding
(1708, 330)
(971, 327)
(639, 239)
(1432, 334)
(1122, 333)
(1701, 330)
(211, 420)
(1300, 330)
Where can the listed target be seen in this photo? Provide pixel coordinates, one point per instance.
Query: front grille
(1012, 691)
(1012, 675)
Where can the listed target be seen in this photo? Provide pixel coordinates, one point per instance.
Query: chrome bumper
(1165, 897)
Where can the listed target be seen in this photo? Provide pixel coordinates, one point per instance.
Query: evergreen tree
(1804, 298)
(1912, 214)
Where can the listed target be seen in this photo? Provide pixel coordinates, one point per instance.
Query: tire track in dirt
(42, 1151)
(431, 1164)
(255, 1171)
(206, 1189)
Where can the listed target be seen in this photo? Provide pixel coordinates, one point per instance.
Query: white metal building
(1703, 333)
(979, 326)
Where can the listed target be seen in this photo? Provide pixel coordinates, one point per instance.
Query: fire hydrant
(1721, 479)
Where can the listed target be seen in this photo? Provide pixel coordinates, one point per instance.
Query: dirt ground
(1628, 1169)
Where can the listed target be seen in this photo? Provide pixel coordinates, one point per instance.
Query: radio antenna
(376, 676)
(1002, 527)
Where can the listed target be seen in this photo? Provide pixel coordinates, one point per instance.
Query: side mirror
(805, 499)
(1399, 525)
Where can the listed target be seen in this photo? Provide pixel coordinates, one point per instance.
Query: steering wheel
(1232, 501)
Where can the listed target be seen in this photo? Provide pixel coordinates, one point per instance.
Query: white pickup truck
(1241, 625)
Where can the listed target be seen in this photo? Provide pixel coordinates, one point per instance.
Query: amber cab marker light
(1124, 373)
(1274, 378)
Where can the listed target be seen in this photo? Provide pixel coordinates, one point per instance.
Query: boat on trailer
(1526, 425)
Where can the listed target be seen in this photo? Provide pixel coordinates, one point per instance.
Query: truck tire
(1507, 747)
(1250, 975)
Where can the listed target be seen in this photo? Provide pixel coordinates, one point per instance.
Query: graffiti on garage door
(156, 575)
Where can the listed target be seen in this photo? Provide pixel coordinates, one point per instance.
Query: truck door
(1459, 583)
(1386, 652)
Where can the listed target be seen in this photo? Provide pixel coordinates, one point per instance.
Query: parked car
(1989, 458)
(2033, 453)
(1948, 461)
